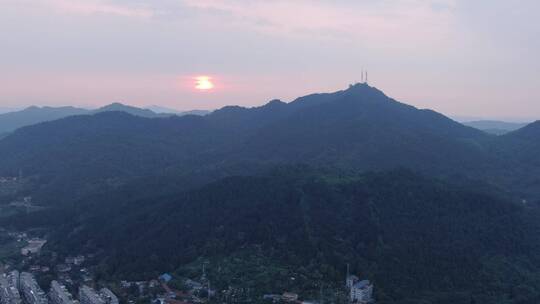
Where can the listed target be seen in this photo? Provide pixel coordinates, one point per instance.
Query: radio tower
(347, 277)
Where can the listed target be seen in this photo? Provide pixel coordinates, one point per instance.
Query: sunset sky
(463, 57)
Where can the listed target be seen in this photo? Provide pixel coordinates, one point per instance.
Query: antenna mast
(347, 277)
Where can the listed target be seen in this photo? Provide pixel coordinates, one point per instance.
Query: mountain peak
(274, 103)
(116, 106)
(364, 89)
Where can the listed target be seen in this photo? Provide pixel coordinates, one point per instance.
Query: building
(13, 279)
(361, 292)
(30, 290)
(289, 297)
(165, 277)
(34, 246)
(193, 285)
(59, 294)
(108, 296)
(273, 297)
(351, 279)
(9, 294)
(88, 295)
(78, 260)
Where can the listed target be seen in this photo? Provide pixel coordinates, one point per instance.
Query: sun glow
(203, 83)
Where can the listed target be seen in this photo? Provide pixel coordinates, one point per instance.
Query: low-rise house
(78, 260)
(272, 297)
(165, 277)
(194, 285)
(351, 279)
(63, 268)
(289, 297)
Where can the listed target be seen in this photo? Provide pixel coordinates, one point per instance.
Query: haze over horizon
(431, 54)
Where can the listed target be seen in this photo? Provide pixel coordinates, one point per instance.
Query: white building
(361, 292)
(108, 296)
(8, 293)
(31, 292)
(58, 294)
(88, 295)
(351, 279)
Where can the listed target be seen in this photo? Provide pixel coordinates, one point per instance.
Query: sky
(476, 58)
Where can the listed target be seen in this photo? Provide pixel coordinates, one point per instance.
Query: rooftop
(362, 284)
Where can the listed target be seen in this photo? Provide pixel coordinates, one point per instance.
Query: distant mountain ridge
(165, 110)
(495, 127)
(32, 115)
(7, 110)
(126, 108)
(11, 121)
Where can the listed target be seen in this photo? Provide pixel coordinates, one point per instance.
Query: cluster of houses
(141, 286)
(358, 292)
(197, 292)
(75, 260)
(7, 179)
(10, 185)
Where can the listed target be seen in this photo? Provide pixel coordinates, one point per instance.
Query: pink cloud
(402, 21)
(91, 7)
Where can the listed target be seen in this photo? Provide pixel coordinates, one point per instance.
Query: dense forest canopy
(417, 238)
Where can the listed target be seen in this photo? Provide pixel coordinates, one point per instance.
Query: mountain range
(13, 120)
(359, 129)
(431, 210)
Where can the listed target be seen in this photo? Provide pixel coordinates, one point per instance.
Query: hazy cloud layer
(464, 57)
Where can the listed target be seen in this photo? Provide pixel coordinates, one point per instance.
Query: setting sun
(203, 83)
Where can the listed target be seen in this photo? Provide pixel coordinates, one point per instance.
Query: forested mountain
(118, 107)
(420, 240)
(359, 128)
(460, 224)
(33, 115)
(524, 144)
